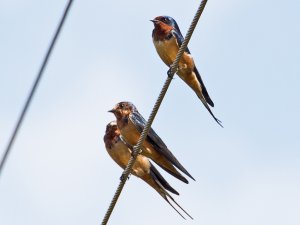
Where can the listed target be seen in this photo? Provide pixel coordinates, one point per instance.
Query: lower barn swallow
(167, 40)
(120, 152)
(131, 124)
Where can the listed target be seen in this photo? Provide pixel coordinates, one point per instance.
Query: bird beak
(112, 111)
(154, 21)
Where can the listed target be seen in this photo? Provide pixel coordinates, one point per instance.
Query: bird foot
(122, 178)
(169, 73)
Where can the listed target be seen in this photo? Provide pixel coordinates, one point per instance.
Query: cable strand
(137, 147)
(34, 87)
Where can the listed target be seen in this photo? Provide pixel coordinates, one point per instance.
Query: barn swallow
(131, 124)
(120, 152)
(167, 40)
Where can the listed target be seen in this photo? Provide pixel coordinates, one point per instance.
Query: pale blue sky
(59, 172)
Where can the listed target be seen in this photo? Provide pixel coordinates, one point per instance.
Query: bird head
(168, 20)
(112, 128)
(122, 109)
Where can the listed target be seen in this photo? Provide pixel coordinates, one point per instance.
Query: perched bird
(167, 40)
(131, 124)
(120, 152)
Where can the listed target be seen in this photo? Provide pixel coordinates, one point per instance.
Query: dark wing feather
(180, 39)
(204, 91)
(156, 142)
(166, 196)
(155, 174)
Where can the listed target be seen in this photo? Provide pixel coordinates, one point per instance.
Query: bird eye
(166, 20)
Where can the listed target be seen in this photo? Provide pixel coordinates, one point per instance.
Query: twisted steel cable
(34, 87)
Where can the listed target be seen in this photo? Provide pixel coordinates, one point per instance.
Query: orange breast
(121, 154)
(168, 49)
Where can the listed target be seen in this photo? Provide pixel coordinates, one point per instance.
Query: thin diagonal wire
(158, 102)
(34, 87)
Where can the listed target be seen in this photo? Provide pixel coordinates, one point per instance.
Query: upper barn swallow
(167, 40)
(131, 124)
(120, 152)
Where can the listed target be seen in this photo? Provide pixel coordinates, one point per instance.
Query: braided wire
(34, 86)
(137, 147)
